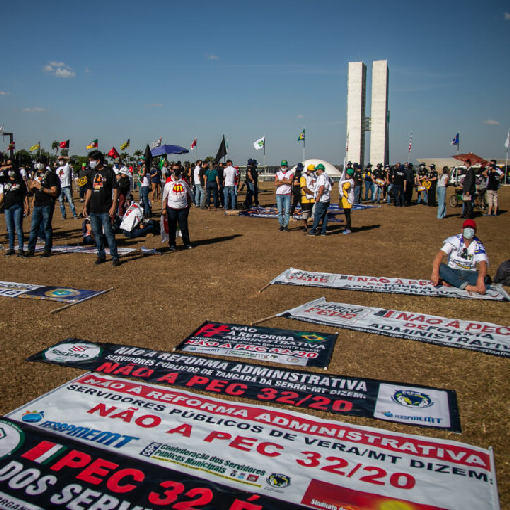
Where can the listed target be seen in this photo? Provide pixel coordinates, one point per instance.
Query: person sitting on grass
(465, 251)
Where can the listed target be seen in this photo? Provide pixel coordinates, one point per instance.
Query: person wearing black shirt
(45, 187)
(431, 195)
(398, 179)
(101, 206)
(379, 177)
(410, 176)
(468, 191)
(296, 188)
(15, 204)
(358, 183)
(252, 192)
(493, 176)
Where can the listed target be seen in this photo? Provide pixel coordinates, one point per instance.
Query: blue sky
(114, 70)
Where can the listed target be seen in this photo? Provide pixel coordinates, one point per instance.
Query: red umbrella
(471, 157)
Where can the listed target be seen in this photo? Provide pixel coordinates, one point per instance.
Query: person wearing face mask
(15, 202)
(45, 186)
(101, 204)
(465, 252)
(64, 174)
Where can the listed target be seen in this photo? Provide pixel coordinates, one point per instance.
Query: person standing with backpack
(45, 185)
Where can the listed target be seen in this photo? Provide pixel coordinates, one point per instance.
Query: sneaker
(311, 233)
(346, 231)
(486, 214)
(188, 247)
(28, 254)
(46, 253)
(172, 248)
(116, 262)
(100, 260)
(9, 252)
(280, 229)
(324, 235)
(285, 229)
(20, 253)
(76, 217)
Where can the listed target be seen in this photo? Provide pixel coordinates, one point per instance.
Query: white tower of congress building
(358, 123)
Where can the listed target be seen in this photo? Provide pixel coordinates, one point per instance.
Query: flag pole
(506, 161)
(304, 144)
(458, 142)
(264, 153)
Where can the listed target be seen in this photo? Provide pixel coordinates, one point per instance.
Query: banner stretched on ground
(52, 293)
(40, 470)
(286, 455)
(69, 248)
(382, 400)
(289, 347)
(478, 336)
(389, 285)
(272, 212)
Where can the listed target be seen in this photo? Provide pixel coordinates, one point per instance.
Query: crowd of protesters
(107, 194)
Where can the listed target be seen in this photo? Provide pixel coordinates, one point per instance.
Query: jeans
(398, 192)
(83, 191)
(357, 194)
(178, 216)
(199, 195)
(144, 192)
(211, 188)
(424, 197)
(441, 202)
(141, 232)
(283, 204)
(230, 191)
(14, 221)
(389, 192)
(41, 215)
(459, 278)
(250, 192)
(321, 213)
(66, 191)
(98, 222)
(368, 191)
(376, 193)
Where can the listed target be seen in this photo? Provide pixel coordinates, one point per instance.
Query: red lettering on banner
(99, 467)
(113, 483)
(184, 430)
(216, 385)
(262, 449)
(231, 389)
(74, 459)
(209, 330)
(217, 435)
(197, 379)
(168, 378)
(107, 368)
(243, 443)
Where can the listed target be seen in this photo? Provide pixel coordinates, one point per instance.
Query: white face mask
(38, 166)
(61, 163)
(468, 233)
(93, 164)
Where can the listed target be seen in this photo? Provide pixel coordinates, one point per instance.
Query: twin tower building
(378, 122)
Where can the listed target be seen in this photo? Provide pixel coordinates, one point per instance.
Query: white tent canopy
(328, 167)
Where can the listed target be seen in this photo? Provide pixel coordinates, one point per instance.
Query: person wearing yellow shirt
(347, 198)
(307, 187)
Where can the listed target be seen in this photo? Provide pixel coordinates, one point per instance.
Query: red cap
(469, 224)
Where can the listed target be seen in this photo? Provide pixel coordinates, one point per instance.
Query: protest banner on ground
(286, 455)
(49, 292)
(40, 470)
(478, 336)
(89, 250)
(288, 347)
(381, 284)
(383, 400)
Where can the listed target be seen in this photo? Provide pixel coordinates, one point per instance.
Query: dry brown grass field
(158, 300)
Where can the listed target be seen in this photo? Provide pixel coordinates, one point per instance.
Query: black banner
(285, 346)
(389, 401)
(40, 470)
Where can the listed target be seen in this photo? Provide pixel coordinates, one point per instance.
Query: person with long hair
(15, 199)
(442, 183)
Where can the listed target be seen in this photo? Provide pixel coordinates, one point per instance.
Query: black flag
(222, 151)
(148, 159)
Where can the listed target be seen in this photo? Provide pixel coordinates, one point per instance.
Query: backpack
(503, 274)
(124, 184)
